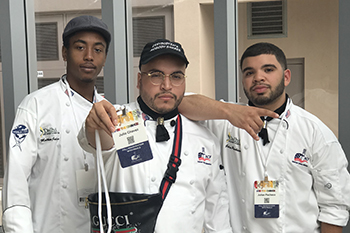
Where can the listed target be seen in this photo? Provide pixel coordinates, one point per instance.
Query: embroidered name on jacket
(20, 133)
(49, 134)
(233, 143)
(301, 159)
(203, 157)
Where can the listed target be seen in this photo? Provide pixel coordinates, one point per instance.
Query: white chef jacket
(310, 191)
(197, 199)
(40, 190)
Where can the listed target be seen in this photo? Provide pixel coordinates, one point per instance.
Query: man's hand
(103, 117)
(246, 117)
(199, 107)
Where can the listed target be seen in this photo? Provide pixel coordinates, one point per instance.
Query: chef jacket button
(191, 182)
(192, 212)
(244, 228)
(67, 131)
(66, 159)
(243, 200)
(64, 186)
(243, 173)
(68, 104)
(153, 179)
(186, 153)
(281, 151)
(246, 147)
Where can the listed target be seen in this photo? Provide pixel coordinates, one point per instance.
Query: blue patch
(20, 133)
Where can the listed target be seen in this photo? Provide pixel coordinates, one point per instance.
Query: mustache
(88, 64)
(166, 92)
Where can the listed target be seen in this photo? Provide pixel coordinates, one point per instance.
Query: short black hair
(265, 48)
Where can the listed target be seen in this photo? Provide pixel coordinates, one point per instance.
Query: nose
(166, 84)
(259, 76)
(88, 56)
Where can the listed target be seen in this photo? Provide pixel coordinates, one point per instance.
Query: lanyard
(70, 94)
(264, 159)
(174, 161)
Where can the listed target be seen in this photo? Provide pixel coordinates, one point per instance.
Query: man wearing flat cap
(197, 198)
(48, 175)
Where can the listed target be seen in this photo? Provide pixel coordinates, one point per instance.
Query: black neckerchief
(161, 132)
(263, 133)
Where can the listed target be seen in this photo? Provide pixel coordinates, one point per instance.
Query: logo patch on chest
(301, 159)
(233, 143)
(49, 134)
(203, 157)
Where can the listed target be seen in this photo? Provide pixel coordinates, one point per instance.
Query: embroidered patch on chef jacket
(266, 199)
(301, 159)
(48, 134)
(288, 114)
(203, 157)
(20, 133)
(130, 139)
(233, 143)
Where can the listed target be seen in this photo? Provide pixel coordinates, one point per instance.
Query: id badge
(266, 199)
(86, 184)
(130, 139)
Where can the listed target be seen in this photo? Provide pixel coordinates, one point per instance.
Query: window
(267, 19)
(146, 29)
(47, 41)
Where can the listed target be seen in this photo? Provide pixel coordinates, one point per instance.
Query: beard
(262, 100)
(151, 101)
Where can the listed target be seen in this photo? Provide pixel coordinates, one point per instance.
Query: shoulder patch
(20, 133)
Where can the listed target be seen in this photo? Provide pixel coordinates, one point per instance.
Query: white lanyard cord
(264, 158)
(69, 93)
(101, 173)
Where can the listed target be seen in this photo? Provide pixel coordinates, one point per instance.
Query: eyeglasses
(158, 77)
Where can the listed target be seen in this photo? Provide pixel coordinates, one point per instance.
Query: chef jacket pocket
(326, 185)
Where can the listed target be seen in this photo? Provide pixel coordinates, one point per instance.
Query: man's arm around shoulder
(199, 107)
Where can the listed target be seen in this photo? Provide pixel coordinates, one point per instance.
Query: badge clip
(266, 179)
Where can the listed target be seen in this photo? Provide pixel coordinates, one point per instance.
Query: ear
(138, 80)
(287, 77)
(64, 53)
